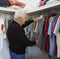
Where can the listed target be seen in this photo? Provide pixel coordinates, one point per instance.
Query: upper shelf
(46, 7)
(42, 8)
(7, 10)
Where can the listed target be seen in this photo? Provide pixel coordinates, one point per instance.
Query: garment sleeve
(28, 42)
(25, 41)
(27, 23)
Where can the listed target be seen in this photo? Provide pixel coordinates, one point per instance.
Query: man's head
(20, 16)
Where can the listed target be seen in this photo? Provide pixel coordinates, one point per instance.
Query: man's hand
(36, 42)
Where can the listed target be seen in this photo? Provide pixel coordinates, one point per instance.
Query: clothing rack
(54, 8)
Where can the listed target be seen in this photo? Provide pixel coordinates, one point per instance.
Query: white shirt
(56, 32)
(4, 45)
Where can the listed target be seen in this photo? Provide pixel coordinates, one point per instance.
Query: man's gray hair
(19, 13)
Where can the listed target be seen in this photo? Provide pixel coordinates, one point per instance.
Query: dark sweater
(17, 38)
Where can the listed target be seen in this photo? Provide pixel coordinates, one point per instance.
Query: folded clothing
(3, 3)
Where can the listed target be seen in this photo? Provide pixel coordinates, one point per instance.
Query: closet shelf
(7, 10)
(52, 5)
(46, 7)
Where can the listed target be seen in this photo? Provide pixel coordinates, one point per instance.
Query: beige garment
(50, 18)
(56, 32)
(32, 33)
(36, 28)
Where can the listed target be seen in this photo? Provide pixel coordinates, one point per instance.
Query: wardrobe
(6, 14)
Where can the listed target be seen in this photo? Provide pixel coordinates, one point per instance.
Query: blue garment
(3, 3)
(52, 36)
(16, 56)
(52, 45)
(29, 29)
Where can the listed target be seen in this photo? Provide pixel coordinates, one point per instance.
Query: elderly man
(15, 33)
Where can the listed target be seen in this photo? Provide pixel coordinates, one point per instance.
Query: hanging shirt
(32, 33)
(57, 16)
(52, 36)
(2, 28)
(57, 33)
(4, 45)
(55, 49)
(47, 25)
(46, 32)
(40, 35)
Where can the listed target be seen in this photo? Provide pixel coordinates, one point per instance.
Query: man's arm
(27, 23)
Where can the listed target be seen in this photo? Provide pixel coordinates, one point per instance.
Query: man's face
(23, 19)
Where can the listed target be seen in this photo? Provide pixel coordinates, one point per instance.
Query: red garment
(42, 3)
(46, 32)
(20, 4)
(12, 2)
(2, 27)
(47, 45)
(47, 25)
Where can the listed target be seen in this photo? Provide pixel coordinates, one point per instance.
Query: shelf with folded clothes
(47, 7)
